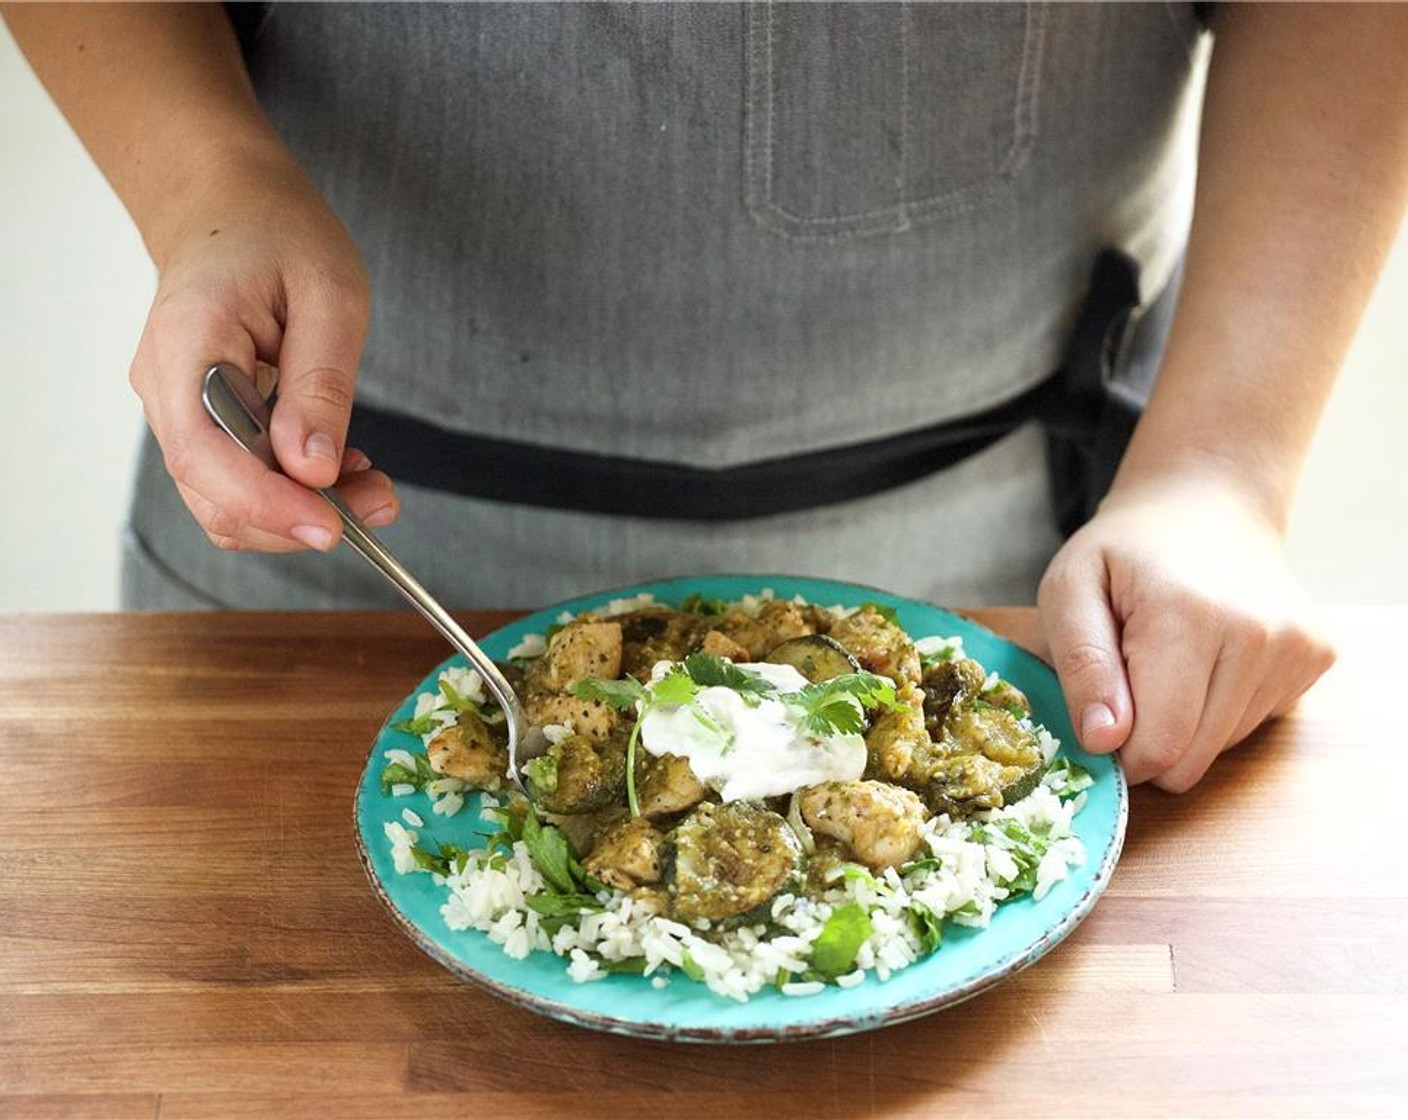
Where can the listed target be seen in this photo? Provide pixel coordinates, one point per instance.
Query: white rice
(973, 875)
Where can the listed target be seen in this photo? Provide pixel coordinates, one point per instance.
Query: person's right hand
(259, 269)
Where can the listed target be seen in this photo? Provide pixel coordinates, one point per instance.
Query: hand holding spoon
(235, 404)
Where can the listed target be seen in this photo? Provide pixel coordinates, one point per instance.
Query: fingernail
(1095, 718)
(383, 515)
(313, 536)
(320, 446)
(355, 461)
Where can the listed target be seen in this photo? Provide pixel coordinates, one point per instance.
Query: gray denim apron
(710, 234)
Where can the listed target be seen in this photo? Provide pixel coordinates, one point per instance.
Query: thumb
(322, 344)
(1084, 638)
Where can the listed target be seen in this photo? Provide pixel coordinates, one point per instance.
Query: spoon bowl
(234, 403)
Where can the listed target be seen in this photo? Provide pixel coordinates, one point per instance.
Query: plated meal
(793, 791)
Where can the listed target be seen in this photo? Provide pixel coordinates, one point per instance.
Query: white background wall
(74, 289)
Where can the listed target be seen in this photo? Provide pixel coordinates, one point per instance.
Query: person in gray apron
(620, 251)
(712, 236)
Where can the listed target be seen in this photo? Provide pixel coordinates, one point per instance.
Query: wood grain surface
(185, 929)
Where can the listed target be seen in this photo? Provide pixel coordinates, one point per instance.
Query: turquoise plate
(968, 962)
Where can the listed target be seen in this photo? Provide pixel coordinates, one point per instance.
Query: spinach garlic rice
(756, 793)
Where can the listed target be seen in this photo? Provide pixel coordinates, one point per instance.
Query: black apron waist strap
(422, 454)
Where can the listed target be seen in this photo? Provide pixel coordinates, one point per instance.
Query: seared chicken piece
(666, 784)
(897, 737)
(469, 751)
(592, 718)
(721, 645)
(627, 855)
(775, 622)
(879, 645)
(582, 648)
(881, 824)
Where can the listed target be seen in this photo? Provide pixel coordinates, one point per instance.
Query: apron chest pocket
(873, 118)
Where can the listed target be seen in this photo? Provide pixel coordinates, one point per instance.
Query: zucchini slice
(726, 863)
(815, 656)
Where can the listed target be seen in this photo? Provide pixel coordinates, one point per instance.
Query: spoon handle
(369, 547)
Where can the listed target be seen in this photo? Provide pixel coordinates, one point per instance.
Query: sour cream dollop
(746, 749)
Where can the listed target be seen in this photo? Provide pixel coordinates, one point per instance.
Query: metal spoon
(235, 404)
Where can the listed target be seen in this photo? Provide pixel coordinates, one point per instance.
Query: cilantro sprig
(703, 604)
(448, 860)
(838, 706)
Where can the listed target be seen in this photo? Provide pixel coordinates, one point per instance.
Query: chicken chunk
(897, 737)
(881, 824)
(775, 622)
(717, 644)
(592, 718)
(666, 784)
(470, 751)
(583, 648)
(879, 645)
(627, 855)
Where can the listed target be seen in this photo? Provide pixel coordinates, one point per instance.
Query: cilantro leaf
(690, 967)
(708, 671)
(396, 775)
(510, 818)
(553, 905)
(634, 966)
(421, 725)
(454, 701)
(835, 948)
(622, 695)
(550, 852)
(943, 654)
(838, 706)
(558, 910)
(448, 860)
(699, 604)
(1026, 851)
(927, 926)
(675, 687)
(1075, 778)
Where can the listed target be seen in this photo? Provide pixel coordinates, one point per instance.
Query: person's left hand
(1176, 627)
